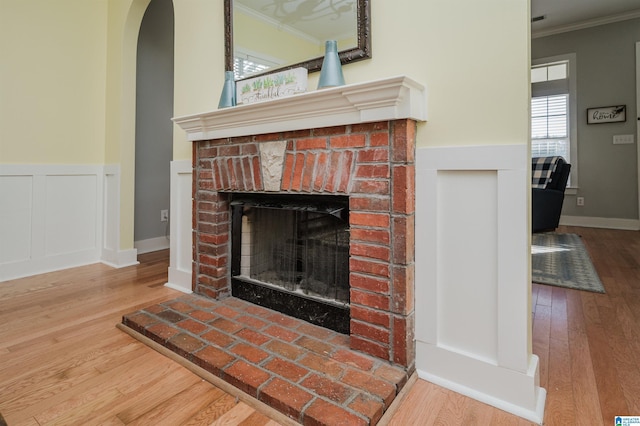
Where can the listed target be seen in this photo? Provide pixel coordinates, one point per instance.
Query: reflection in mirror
(267, 35)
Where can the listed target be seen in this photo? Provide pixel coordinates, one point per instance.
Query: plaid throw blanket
(541, 170)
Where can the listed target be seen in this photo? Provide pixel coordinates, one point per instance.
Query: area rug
(562, 260)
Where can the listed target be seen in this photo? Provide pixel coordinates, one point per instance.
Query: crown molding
(587, 24)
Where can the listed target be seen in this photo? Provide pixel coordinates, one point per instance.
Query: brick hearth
(307, 372)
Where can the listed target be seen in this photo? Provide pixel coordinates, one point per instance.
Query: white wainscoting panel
(473, 328)
(181, 252)
(51, 218)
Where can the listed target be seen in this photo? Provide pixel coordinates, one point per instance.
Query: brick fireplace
(364, 151)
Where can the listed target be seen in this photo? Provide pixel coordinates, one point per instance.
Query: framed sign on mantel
(609, 114)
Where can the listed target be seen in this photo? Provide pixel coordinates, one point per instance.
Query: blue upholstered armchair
(549, 176)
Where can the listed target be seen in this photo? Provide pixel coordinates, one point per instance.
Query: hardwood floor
(588, 344)
(62, 361)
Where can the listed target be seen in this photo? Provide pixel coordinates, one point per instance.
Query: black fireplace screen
(292, 251)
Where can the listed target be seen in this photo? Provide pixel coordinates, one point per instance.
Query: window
(553, 118)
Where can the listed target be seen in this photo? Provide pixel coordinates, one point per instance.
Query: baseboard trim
(601, 222)
(120, 258)
(151, 244)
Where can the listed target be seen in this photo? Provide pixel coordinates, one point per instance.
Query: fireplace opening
(291, 254)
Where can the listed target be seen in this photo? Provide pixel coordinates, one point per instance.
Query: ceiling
(566, 15)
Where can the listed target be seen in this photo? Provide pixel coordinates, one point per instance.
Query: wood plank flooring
(62, 361)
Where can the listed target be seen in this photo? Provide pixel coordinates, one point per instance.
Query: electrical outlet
(164, 215)
(580, 201)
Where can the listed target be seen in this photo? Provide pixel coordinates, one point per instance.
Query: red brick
(226, 325)
(373, 155)
(296, 182)
(370, 251)
(257, 174)
(250, 353)
(202, 315)
(229, 151)
(268, 137)
(328, 388)
(225, 311)
(247, 172)
(322, 413)
(251, 321)
(213, 272)
(371, 384)
(282, 333)
(370, 407)
(392, 374)
(403, 340)
(379, 139)
(307, 173)
(371, 348)
(249, 149)
(237, 165)
(371, 235)
(297, 134)
(285, 397)
(140, 319)
(404, 190)
(372, 284)
(403, 289)
(217, 261)
(404, 141)
(314, 143)
(212, 359)
(380, 187)
(254, 337)
(379, 220)
(258, 311)
(354, 359)
(321, 171)
(370, 316)
(370, 332)
(380, 269)
(347, 168)
(371, 300)
(217, 338)
(314, 345)
(328, 131)
(233, 183)
(184, 344)
(347, 141)
(214, 283)
(333, 176)
(288, 172)
(370, 203)
(286, 369)
(246, 377)
(194, 327)
(373, 171)
(323, 365)
(404, 240)
(285, 349)
(284, 320)
(314, 331)
(214, 238)
(369, 127)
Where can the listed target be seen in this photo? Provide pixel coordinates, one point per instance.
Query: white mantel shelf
(391, 98)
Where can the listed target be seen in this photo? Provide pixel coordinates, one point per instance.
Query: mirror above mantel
(264, 36)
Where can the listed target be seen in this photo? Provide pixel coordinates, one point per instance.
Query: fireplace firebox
(290, 253)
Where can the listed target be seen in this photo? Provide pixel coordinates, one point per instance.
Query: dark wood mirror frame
(358, 53)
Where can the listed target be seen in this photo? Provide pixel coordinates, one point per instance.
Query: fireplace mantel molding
(380, 100)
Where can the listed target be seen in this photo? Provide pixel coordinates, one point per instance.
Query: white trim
(601, 222)
(120, 258)
(387, 99)
(151, 244)
(587, 24)
(62, 217)
(486, 230)
(181, 253)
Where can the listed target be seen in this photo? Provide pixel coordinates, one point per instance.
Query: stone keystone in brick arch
(272, 158)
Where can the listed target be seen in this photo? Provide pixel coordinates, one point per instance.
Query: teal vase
(228, 96)
(331, 72)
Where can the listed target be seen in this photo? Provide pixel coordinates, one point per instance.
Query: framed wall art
(609, 114)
